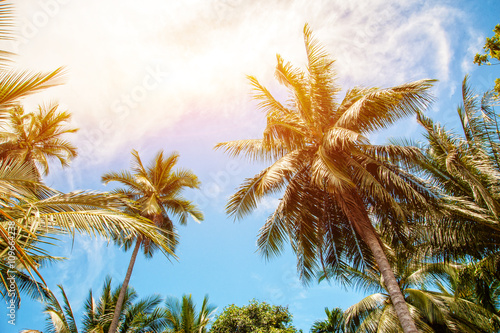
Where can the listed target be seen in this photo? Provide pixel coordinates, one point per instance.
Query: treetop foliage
(491, 51)
(256, 317)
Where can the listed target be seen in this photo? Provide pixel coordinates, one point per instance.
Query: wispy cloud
(88, 259)
(134, 72)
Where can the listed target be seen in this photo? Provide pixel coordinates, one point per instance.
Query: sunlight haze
(172, 75)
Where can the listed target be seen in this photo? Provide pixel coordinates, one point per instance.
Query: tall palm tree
(315, 141)
(182, 316)
(36, 138)
(156, 192)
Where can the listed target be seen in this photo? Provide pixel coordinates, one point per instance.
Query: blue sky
(171, 75)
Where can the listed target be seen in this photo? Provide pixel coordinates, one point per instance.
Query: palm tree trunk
(121, 296)
(392, 285)
(353, 207)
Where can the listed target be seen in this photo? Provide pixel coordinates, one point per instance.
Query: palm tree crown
(156, 190)
(182, 316)
(36, 137)
(334, 322)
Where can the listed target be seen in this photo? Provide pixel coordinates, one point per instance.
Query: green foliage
(491, 48)
(181, 316)
(334, 322)
(465, 168)
(254, 318)
(491, 51)
(434, 293)
(143, 315)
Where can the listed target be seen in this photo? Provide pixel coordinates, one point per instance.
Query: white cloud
(267, 205)
(476, 43)
(135, 68)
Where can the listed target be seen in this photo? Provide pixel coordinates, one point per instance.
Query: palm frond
(380, 108)
(253, 149)
(322, 87)
(15, 84)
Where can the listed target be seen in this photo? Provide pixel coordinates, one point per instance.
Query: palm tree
(316, 142)
(137, 316)
(482, 282)
(334, 322)
(441, 309)
(27, 205)
(144, 315)
(182, 317)
(32, 137)
(465, 168)
(61, 318)
(155, 191)
(36, 137)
